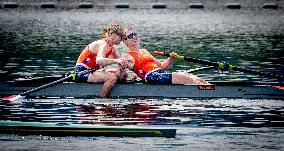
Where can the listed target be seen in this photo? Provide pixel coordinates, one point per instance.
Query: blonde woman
(101, 53)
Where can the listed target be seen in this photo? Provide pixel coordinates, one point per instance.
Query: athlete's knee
(111, 77)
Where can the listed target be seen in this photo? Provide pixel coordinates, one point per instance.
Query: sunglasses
(130, 36)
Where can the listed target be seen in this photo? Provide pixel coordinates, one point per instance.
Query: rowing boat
(63, 129)
(56, 88)
(246, 90)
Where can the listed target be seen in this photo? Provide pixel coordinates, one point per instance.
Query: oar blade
(13, 98)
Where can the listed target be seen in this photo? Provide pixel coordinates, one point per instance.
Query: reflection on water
(46, 42)
(221, 124)
(188, 113)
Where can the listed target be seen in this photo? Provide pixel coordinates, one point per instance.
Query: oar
(69, 77)
(222, 66)
(199, 69)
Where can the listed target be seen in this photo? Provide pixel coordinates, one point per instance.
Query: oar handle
(162, 53)
(222, 66)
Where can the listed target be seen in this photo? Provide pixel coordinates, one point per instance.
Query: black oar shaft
(205, 62)
(56, 82)
(230, 67)
(224, 66)
(46, 85)
(200, 69)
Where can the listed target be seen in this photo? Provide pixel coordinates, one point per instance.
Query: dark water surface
(222, 124)
(48, 42)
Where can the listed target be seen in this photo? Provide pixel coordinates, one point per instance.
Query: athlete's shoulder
(131, 52)
(126, 56)
(99, 43)
(144, 50)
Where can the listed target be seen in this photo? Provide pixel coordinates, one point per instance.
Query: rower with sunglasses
(148, 68)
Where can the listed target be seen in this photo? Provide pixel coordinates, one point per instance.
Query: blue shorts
(159, 76)
(82, 78)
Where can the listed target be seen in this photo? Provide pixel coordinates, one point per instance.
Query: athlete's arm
(103, 61)
(130, 60)
(115, 53)
(166, 64)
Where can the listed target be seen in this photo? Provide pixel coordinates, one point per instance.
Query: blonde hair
(113, 28)
(126, 29)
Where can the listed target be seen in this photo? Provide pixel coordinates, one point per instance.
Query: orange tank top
(88, 58)
(144, 63)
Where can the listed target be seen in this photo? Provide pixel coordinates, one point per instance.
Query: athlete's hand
(122, 62)
(174, 55)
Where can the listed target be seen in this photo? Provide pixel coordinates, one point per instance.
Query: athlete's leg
(159, 77)
(107, 78)
(195, 77)
(120, 73)
(185, 78)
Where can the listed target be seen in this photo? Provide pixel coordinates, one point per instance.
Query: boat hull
(130, 90)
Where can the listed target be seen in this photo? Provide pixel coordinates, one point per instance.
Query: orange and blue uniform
(87, 60)
(147, 69)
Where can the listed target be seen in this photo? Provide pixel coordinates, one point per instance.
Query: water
(192, 139)
(221, 124)
(47, 42)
